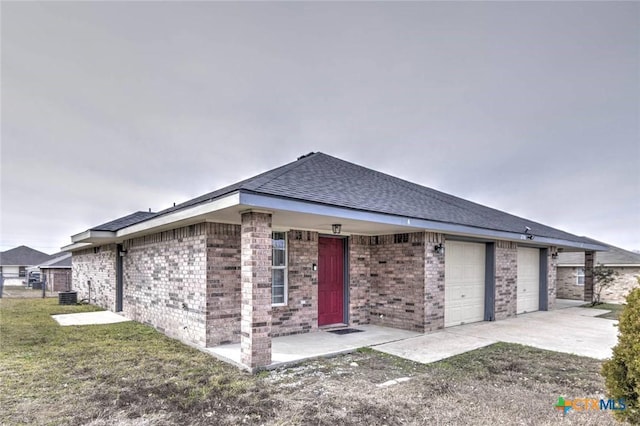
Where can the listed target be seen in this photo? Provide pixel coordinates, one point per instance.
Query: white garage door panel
(464, 283)
(528, 280)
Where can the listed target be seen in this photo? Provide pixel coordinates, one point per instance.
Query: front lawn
(129, 374)
(615, 309)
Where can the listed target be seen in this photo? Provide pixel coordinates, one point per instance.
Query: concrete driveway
(571, 330)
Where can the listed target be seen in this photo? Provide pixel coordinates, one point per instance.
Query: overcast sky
(108, 108)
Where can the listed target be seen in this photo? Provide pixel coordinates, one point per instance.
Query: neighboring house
(571, 274)
(56, 272)
(14, 263)
(318, 242)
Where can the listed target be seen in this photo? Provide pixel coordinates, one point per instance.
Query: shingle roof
(324, 179)
(22, 256)
(125, 221)
(615, 256)
(59, 260)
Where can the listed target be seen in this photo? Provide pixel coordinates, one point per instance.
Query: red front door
(330, 281)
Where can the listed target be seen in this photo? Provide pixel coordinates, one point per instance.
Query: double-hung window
(279, 268)
(580, 276)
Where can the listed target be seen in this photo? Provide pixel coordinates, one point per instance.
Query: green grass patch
(61, 375)
(129, 374)
(615, 309)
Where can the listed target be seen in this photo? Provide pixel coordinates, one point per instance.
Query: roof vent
(305, 156)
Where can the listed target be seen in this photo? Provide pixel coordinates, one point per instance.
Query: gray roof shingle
(59, 260)
(615, 256)
(320, 178)
(124, 221)
(22, 256)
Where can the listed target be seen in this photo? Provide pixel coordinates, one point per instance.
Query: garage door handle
(462, 295)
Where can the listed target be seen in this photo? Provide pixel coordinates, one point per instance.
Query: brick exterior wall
(300, 315)
(194, 283)
(397, 281)
(589, 264)
(223, 284)
(57, 279)
(506, 281)
(359, 274)
(164, 282)
(626, 281)
(97, 265)
(616, 293)
(567, 284)
(255, 325)
(433, 283)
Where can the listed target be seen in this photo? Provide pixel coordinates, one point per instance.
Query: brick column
(255, 324)
(433, 283)
(552, 275)
(506, 280)
(589, 260)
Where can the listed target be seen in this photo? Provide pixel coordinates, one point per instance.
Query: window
(400, 238)
(580, 276)
(279, 268)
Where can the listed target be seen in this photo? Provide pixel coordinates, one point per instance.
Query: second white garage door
(528, 280)
(464, 283)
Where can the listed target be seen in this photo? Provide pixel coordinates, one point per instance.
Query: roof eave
(75, 246)
(188, 213)
(278, 203)
(92, 235)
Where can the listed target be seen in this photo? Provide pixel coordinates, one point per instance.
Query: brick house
(315, 243)
(15, 262)
(56, 272)
(571, 274)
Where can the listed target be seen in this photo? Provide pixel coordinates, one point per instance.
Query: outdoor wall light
(529, 237)
(439, 248)
(337, 228)
(123, 253)
(554, 255)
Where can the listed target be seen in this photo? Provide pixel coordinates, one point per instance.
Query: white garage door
(528, 280)
(463, 283)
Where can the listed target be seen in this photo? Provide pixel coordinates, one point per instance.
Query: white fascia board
(89, 235)
(606, 265)
(75, 246)
(81, 236)
(273, 203)
(183, 214)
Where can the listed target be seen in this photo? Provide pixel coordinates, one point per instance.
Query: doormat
(345, 331)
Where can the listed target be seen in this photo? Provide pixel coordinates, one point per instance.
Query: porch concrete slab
(89, 318)
(568, 303)
(295, 348)
(586, 312)
(570, 330)
(434, 347)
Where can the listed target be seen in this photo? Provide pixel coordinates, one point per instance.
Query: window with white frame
(580, 276)
(279, 268)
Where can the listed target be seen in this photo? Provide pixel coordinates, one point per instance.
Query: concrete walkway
(296, 348)
(89, 318)
(568, 329)
(571, 330)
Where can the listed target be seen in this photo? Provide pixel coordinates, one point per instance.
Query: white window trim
(285, 268)
(580, 273)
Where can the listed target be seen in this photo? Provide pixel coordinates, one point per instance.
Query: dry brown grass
(128, 374)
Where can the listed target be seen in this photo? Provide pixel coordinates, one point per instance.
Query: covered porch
(296, 348)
